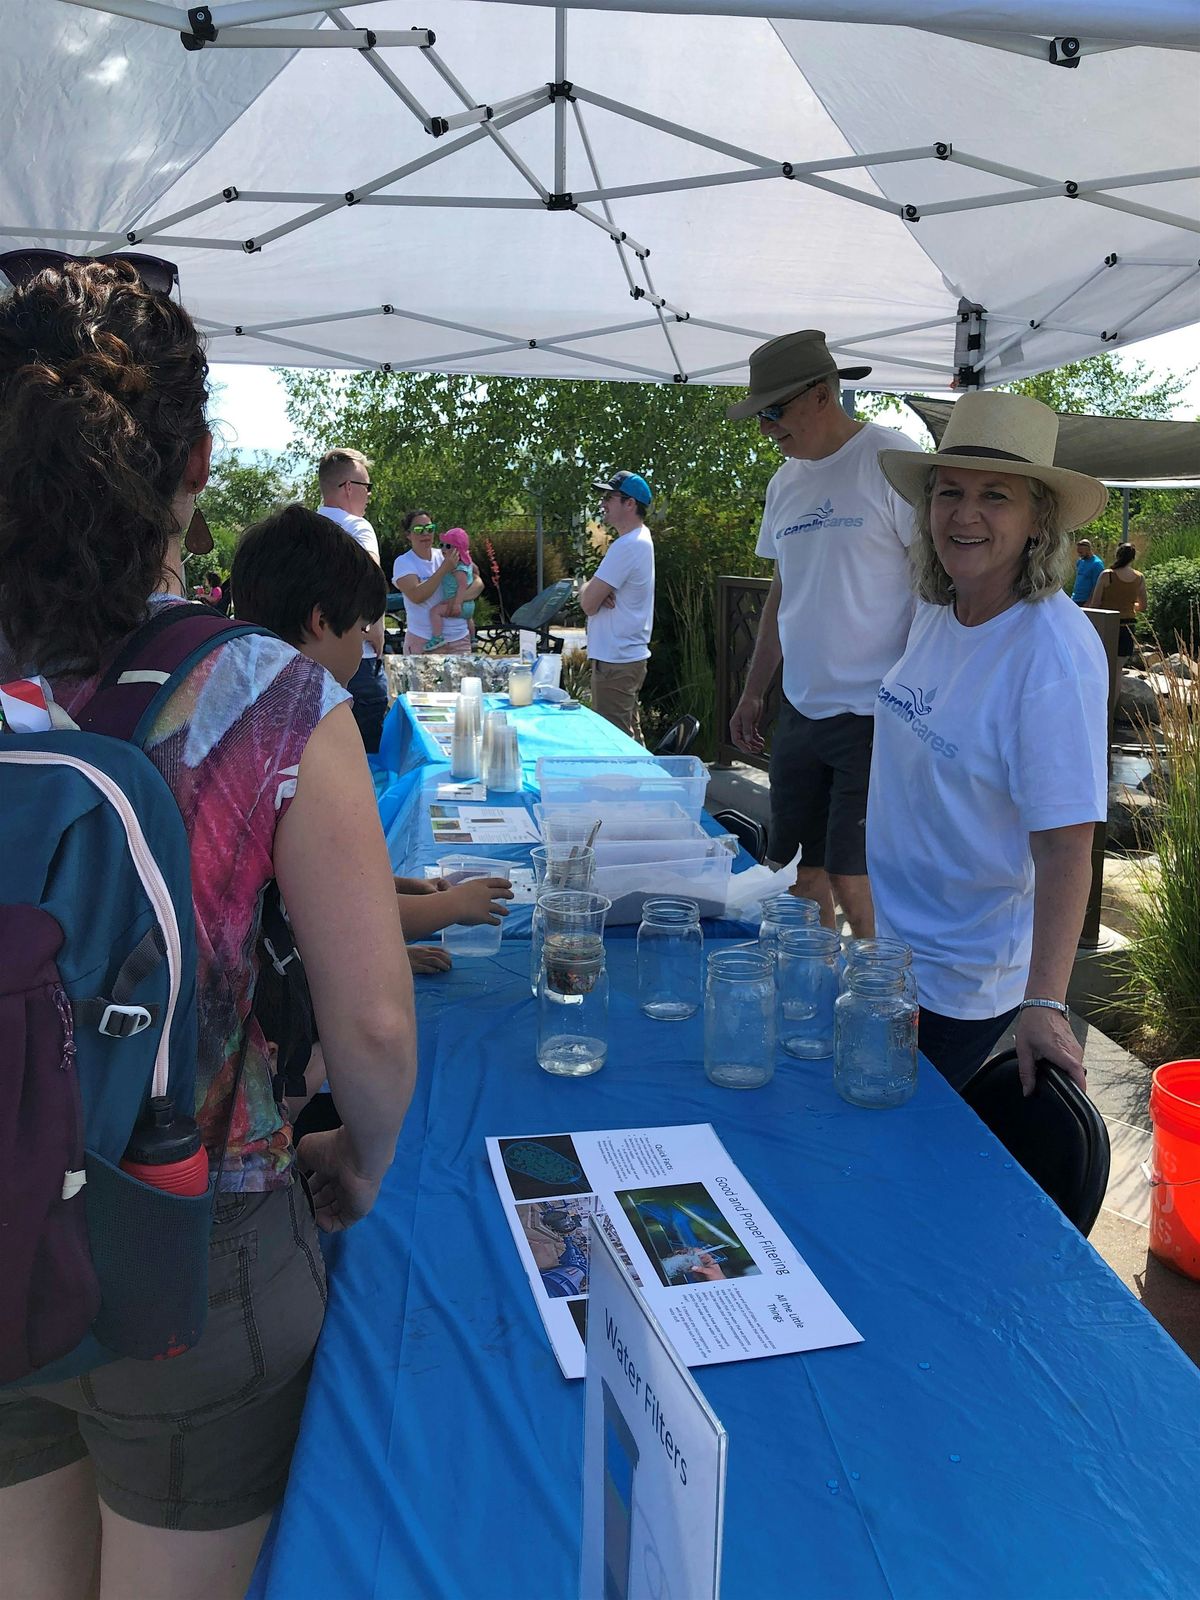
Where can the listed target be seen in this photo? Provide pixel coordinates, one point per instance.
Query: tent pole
(560, 132)
(1125, 515)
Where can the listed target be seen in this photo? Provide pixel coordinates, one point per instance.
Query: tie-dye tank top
(229, 743)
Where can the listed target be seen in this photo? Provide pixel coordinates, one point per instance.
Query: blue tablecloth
(1013, 1425)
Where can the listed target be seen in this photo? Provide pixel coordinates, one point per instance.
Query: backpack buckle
(122, 1022)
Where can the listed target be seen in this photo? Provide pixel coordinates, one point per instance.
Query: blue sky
(251, 402)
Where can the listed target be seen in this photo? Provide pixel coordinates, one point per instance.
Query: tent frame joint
(201, 28)
(564, 90)
(1064, 51)
(561, 202)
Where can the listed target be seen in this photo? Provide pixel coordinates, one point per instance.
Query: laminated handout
(710, 1259)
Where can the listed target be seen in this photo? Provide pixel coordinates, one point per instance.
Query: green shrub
(1173, 590)
(516, 558)
(1163, 959)
(1170, 546)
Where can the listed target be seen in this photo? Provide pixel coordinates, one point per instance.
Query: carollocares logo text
(914, 706)
(818, 520)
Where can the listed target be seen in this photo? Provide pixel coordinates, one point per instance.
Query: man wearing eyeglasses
(344, 477)
(619, 603)
(837, 616)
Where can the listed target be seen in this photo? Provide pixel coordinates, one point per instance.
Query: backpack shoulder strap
(151, 665)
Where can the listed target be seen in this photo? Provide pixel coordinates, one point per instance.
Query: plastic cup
(465, 939)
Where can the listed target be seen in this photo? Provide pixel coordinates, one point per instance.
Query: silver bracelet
(1046, 1005)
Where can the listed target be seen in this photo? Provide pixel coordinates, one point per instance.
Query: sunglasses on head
(774, 413)
(155, 274)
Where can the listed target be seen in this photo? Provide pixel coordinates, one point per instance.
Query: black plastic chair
(535, 616)
(1056, 1133)
(679, 737)
(751, 835)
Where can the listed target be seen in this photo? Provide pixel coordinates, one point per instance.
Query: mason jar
(875, 1038)
(670, 959)
(806, 991)
(739, 1018)
(893, 953)
(786, 911)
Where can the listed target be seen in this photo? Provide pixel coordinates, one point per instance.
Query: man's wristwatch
(1045, 1005)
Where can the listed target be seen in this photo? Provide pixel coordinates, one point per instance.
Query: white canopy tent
(956, 194)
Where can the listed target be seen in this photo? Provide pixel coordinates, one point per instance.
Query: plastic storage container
(704, 879)
(620, 780)
(652, 820)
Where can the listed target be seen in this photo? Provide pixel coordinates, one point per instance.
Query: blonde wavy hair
(1046, 554)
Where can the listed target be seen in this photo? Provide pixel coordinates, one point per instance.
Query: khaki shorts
(204, 1440)
(615, 687)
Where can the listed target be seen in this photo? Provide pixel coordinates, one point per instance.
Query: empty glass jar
(670, 959)
(786, 911)
(875, 1038)
(739, 1018)
(806, 990)
(891, 953)
(573, 984)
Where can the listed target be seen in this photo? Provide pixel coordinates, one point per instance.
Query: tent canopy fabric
(634, 193)
(1121, 450)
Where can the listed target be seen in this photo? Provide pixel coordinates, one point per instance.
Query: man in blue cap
(619, 603)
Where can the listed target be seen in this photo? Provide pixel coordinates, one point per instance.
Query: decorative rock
(1136, 700)
(1180, 665)
(1129, 815)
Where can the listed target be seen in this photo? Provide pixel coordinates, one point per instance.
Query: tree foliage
(483, 452)
(242, 491)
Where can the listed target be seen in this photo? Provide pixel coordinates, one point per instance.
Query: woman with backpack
(159, 1476)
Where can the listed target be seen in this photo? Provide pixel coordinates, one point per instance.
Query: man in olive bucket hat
(837, 615)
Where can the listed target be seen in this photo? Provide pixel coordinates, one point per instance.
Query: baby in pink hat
(455, 584)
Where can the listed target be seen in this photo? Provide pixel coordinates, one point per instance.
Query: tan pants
(615, 686)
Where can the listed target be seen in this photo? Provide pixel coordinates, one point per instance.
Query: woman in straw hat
(990, 756)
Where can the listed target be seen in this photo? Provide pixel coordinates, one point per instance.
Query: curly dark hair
(103, 387)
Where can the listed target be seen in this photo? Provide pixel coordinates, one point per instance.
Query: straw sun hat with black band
(992, 432)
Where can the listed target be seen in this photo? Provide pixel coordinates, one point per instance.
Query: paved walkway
(1120, 1086)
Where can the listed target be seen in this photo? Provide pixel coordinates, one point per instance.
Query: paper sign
(713, 1264)
(653, 1454)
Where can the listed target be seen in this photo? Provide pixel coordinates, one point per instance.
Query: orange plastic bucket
(1175, 1204)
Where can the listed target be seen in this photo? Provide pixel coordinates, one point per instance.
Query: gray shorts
(819, 772)
(204, 1440)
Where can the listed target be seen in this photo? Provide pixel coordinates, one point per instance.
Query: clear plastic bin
(463, 938)
(704, 879)
(621, 780)
(572, 824)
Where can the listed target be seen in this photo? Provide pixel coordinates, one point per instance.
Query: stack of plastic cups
(555, 866)
(492, 723)
(786, 911)
(467, 738)
(505, 770)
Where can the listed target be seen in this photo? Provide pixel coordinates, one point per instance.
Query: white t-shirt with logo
(983, 736)
(361, 531)
(838, 534)
(621, 632)
(417, 617)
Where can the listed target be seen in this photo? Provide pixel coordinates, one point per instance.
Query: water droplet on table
(1058, 1255)
(956, 1459)
(924, 1366)
(856, 1476)
(832, 1485)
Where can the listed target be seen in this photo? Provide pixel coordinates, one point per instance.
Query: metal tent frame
(981, 339)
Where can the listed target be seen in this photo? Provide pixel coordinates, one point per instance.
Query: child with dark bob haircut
(300, 575)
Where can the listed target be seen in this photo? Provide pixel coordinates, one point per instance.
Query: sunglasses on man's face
(155, 274)
(775, 413)
(358, 484)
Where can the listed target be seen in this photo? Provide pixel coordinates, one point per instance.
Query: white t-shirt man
(983, 736)
(839, 535)
(361, 531)
(621, 632)
(420, 624)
